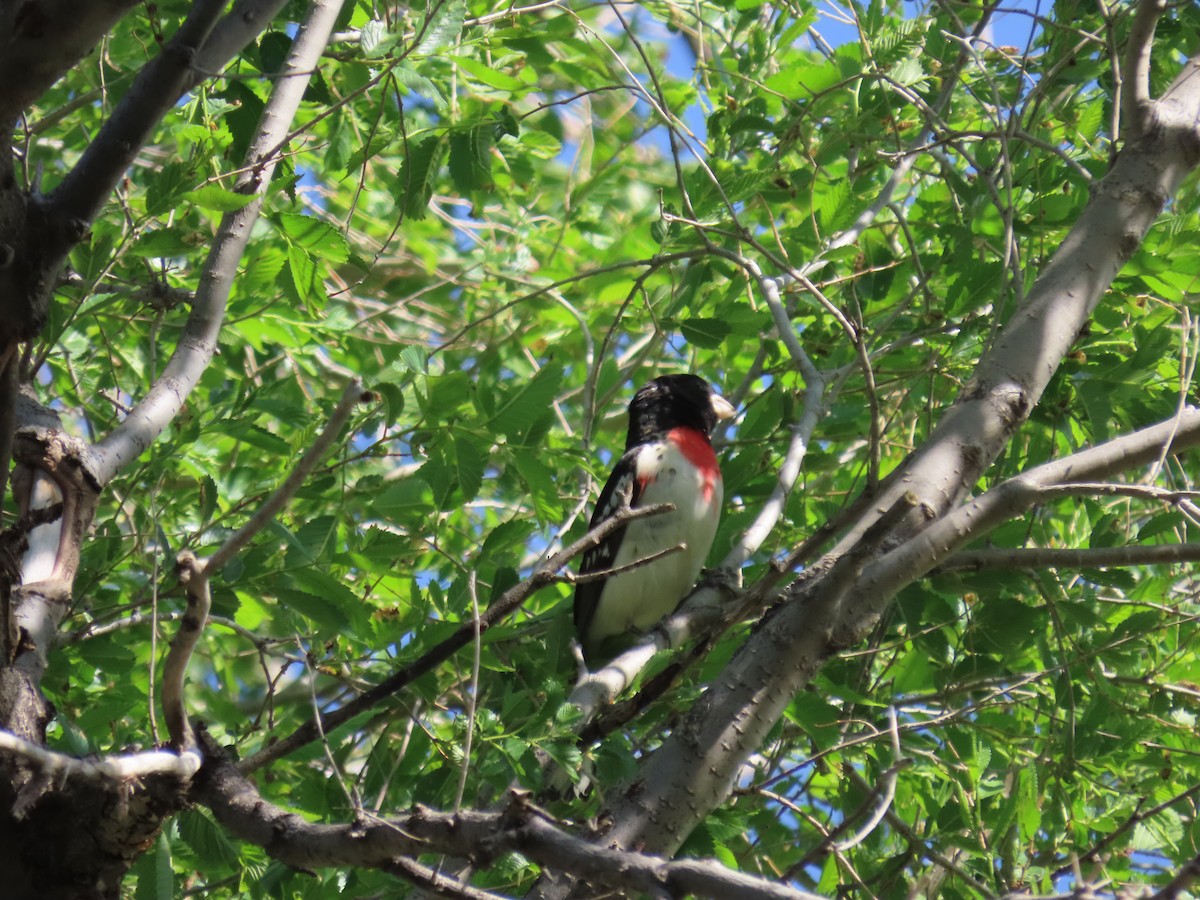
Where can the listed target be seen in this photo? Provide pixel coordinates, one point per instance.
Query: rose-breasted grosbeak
(668, 459)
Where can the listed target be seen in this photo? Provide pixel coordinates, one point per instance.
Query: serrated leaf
(304, 274)
(414, 358)
(469, 463)
(218, 199)
(523, 405)
(471, 159)
(318, 238)
(705, 332)
(402, 497)
(488, 75)
(164, 876)
(1029, 813)
(802, 82)
(420, 86)
(908, 72)
(417, 174)
(320, 583)
(208, 498)
(208, 841)
(371, 35)
(443, 23)
(317, 609)
(258, 437)
(541, 145)
(164, 242)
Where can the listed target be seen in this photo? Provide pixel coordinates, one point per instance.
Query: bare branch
(600, 575)
(482, 836)
(155, 90)
(194, 577)
(1087, 558)
(43, 39)
(198, 342)
(113, 768)
(1135, 85)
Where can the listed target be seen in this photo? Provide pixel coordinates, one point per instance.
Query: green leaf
(166, 242)
(443, 24)
(470, 460)
(417, 174)
(164, 875)
(318, 238)
(328, 615)
(803, 81)
(488, 75)
(420, 86)
(705, 332)
(305, 274)
(218, 199)
(403, 497)
(524, 404)
(206, 839)
(471, 159)
(371, 36)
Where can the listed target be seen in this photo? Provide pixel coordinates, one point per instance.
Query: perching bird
(668, 459)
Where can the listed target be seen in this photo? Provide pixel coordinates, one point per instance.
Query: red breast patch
(697, 450)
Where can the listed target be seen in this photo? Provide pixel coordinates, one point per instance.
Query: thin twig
(351, 397)
(506, 603)
(472, 691)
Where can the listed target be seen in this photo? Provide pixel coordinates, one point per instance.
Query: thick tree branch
(1010, 378)
(193, 574)
(155, 90)
(198, 342)
(1135, 85)
(40, 40)
(480, 836)
(1009, 500)
(110, 769)
(245, 21)
(1057, 558)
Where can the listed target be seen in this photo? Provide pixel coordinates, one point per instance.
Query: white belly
(637, 599)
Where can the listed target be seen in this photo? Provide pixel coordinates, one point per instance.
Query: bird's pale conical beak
(722, 408)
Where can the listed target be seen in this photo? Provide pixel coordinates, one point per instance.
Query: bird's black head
(674, 401)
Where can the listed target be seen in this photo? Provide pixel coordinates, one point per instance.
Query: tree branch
(1135, 86)
(696, 766)
(245, 21)
(198, 342)
(40, 40)
(1055, 558)
(1012, 498)
(113, 768)
(481, 836)
(193, 574)
(155, 90)
(1011, 376)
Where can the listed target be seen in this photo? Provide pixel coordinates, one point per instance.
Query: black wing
(621, 489)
